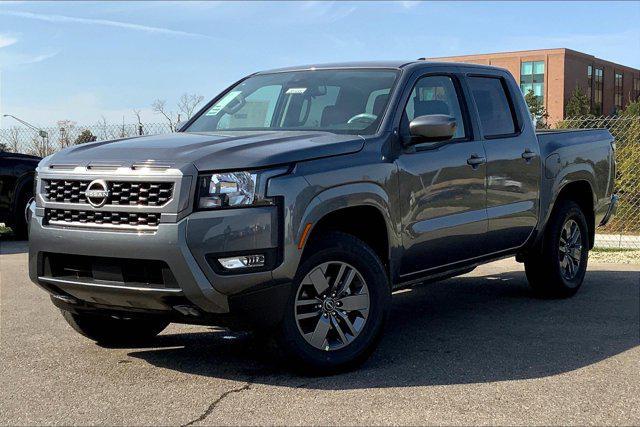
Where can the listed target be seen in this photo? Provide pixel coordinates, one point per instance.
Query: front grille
(134, 219)
(129, 193)
(117, 271)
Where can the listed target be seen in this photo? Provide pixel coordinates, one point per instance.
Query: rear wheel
(114, 331)
(558, 269)
(338, 307)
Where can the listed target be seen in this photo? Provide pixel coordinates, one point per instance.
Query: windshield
(340, 101)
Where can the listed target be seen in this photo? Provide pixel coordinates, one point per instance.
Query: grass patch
(614, 250)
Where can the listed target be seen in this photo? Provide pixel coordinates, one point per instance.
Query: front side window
(494, 109)
(434, 95)
(339, 101)
(636, 88)
(532, 78)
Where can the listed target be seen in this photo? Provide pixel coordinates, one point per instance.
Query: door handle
(474, 161)
(528, 155)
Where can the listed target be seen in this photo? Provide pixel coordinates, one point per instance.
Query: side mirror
(432, 128)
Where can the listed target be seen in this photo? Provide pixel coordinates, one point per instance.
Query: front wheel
(335, 315)
(558, 269)
(114, 331)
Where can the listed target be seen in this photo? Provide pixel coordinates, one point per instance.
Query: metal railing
(622, 232)
(20, 139)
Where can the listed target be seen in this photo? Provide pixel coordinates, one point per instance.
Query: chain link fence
(46, 141)
(622, 232)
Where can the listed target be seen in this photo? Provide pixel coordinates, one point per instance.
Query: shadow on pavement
(9, 245)
(463, 330)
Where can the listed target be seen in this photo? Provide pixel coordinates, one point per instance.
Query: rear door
(442, 185)
(513, 161)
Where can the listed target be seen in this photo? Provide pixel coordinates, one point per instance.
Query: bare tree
(103, 129)
(65, 130)
(188, 103)
(140, 127)
(13, 139)
(159, 106)
(40, 146)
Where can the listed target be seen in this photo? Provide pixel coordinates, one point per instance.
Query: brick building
(553, 74)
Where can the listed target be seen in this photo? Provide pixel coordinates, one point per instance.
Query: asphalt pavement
(477, 349)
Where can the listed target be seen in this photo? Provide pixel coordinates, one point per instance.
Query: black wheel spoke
(570, 249)
(332, 305)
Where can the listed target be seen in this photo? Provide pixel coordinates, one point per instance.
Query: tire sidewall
(568, 212)
(367, 263)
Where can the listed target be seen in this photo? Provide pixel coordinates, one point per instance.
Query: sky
(82, 61)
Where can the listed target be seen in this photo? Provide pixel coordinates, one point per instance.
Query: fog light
(242, 261)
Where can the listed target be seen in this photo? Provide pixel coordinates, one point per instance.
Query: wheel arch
(356, 209)
(580, 191)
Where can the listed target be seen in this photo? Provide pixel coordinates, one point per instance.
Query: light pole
(42, 133)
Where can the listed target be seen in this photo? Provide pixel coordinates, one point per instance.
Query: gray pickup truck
(296, 201)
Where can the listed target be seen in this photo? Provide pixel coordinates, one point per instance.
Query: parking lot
(477, 349)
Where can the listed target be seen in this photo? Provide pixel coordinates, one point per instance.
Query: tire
(19, 224)
(550, 271)
(111, 331)
(357, 277)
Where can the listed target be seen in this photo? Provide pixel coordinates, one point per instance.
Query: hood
(212, 150)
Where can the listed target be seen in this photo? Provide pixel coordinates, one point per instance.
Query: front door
(442, 185)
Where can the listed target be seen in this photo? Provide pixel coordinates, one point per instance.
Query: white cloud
(6, 41)
(12, 59)
(409, 4)
(326, 12)
(103, 22)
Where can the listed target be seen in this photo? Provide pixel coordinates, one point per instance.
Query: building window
(590, 84)
(532, 78)
(597, 91)
(617, 91)
(636, 88)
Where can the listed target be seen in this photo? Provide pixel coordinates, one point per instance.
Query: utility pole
(42, 133)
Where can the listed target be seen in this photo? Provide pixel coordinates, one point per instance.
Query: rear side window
(494, 108)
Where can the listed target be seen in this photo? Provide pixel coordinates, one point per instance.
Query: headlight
(232, 189)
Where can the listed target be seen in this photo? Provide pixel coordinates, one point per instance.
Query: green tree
(578, 104)
(84, 137)
(536, 109)
(632, 110)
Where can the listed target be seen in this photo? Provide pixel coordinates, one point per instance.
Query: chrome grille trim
(123, 193)
(179, 205)
(102, 219)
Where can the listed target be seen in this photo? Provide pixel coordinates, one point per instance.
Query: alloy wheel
(332, 304)
(570, 249)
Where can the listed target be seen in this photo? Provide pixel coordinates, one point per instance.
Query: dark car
(299, 199)
(16, 189)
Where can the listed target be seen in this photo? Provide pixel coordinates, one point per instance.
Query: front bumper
(187, 247)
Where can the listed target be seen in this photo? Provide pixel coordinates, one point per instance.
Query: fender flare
(347, 196)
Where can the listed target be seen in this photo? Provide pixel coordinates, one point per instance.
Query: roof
(372, 64)
(354, 64)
